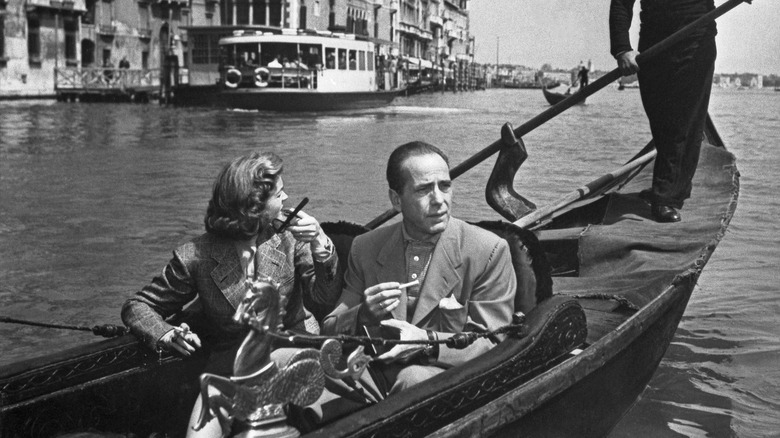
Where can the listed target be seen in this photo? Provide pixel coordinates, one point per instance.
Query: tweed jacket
(470, 285)
(207, 271)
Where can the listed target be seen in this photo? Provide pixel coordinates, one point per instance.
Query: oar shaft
(575, 98)
(583, 191)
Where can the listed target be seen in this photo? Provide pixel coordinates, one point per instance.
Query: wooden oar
(576, 98)
(584, 191)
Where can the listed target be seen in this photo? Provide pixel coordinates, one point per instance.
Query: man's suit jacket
(209, 268)
(469, 286)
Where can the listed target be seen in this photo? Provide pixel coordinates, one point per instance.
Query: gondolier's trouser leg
(675, 91)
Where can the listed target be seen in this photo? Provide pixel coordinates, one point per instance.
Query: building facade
(39, 38)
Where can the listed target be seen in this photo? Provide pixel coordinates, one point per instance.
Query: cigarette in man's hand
(182, 331)
(409, 284)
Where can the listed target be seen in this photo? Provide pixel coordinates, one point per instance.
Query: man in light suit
(465, 274)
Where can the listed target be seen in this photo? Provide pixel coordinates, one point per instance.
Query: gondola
(620, 284)
(554, 97)
(610, 286)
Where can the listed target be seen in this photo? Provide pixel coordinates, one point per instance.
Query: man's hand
(180, 339)
(408, 332)
(381, 299)
(627, 62)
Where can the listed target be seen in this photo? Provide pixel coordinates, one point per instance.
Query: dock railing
(80, 78)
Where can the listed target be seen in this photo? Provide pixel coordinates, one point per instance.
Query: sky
(564, 32)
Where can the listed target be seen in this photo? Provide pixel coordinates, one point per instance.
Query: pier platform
(106, 84)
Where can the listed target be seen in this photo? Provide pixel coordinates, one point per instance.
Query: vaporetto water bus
(297, 71)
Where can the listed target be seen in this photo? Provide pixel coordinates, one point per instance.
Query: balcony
(88, 31)
(172, 2)
(64, 4)
(106, 29)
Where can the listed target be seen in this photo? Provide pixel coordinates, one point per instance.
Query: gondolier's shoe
(665, 213)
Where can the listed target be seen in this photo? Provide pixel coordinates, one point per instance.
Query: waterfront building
(43, 42)
(434, 40)
(368, 19)
(739, 80)
(49, 45)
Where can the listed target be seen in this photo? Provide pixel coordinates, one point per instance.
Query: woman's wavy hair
(237, 206)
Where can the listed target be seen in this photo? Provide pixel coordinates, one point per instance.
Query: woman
(241, 242)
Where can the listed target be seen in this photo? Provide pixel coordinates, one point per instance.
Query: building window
(226, 12)
(258, 12)
(34, 39)
(200, 49)
(89, 16)
(242, 12)
(205, 48)
(302, 17)
(71, 35)
(106, 13)
(2, 38)
(145, 60)
(316, 8)
(275, 13)
(143, 18)
(87, 53)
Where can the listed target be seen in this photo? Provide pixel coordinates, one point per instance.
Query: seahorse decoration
(259, 389)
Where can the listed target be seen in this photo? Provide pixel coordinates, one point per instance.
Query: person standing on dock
(582, 77)
(675, 90)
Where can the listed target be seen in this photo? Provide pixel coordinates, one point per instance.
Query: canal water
(93, 198)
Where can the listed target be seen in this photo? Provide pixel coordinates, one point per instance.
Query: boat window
(281, 52)
(370, 60)
(362, 60)
(342, 59)
(247, 55)
(353, 59)
(311, 55)
(226, 56)
(330, 58)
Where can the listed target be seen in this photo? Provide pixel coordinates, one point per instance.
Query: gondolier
(675, 90)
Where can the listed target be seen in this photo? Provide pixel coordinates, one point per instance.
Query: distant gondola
(555, 97)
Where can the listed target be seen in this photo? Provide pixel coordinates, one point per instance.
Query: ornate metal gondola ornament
(256, 394)
(252, 402)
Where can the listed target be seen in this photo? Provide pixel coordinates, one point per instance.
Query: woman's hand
(305, 228)
(180, 339)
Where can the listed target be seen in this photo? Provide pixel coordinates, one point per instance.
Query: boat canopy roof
(345, 41)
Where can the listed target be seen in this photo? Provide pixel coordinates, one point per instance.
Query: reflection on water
(94, 197)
